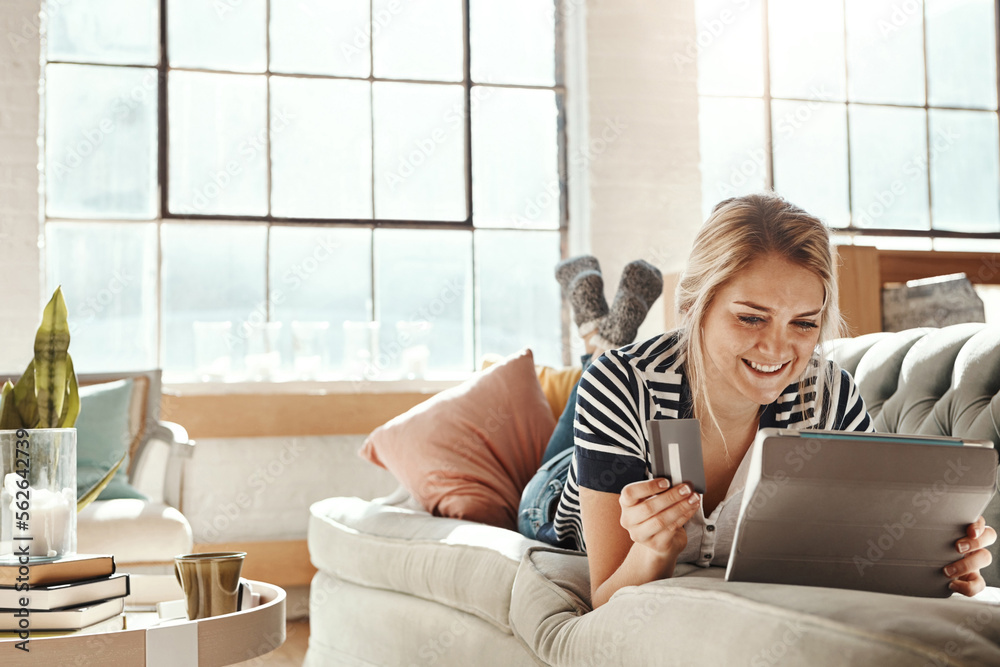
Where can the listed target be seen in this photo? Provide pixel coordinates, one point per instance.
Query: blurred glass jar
(309, 349)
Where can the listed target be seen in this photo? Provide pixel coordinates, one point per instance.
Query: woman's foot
(583, 284)
(640, 285)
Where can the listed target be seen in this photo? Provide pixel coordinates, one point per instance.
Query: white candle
(49, 516)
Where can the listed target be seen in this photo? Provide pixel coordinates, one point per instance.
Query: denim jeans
(541, 495)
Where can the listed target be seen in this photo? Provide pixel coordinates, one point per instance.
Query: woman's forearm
(640, 566)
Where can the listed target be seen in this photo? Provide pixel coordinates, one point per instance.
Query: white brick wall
(20, 257)
(645, 186)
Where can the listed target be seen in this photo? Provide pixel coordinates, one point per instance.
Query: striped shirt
(625, 388)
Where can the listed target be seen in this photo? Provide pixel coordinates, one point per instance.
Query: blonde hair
(738, 232)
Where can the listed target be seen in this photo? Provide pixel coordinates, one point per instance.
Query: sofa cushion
(103, 434)
(557, 383)
(358, 626)
(877, 375)
(697, 618)
(144, 409)
(923, 378)
(469, 451)
(135, 531)
(461, 564)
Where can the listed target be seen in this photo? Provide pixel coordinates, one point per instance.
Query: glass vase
(38, 495)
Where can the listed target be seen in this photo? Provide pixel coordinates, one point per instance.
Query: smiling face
(760, 332)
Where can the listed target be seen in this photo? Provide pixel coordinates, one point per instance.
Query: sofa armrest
(158, 471)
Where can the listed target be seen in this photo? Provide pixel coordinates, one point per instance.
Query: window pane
(419, 152)
(964, 171)
(889, 167)
(108, 276)
(125, 32)
(972, 245)
(513, 41)
(321, 37)
(100, 142)
(519, 301)
(321, 163)
(223, 34)
(961, 54)
(885, 57)
(729, 48)
(424, 276)
(810, 157)
(218, 143)
(211, 273)
(807, 49)
(319, 276)
(515, 161)
(733, 149)
(894, 242)
(418, 39)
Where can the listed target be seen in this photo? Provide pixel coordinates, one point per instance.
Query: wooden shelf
(864, 270)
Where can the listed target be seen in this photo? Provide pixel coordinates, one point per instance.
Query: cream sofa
(397, 586)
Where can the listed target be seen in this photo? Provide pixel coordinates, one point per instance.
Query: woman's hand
(964, 573)
(655, 514)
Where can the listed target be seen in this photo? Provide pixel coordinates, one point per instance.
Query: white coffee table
(221, 640)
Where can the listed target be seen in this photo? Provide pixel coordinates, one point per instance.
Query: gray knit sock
(586, 295)
(583, 284)
(640, 286)
(568, 269)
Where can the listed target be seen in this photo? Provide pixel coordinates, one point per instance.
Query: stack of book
(70, 593)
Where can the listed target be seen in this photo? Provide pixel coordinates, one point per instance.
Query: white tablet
(866, 511)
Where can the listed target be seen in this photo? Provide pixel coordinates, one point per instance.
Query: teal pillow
(102, 436)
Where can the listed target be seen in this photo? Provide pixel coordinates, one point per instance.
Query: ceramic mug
(211, 582)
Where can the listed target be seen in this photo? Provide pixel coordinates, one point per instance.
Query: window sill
(180, 387)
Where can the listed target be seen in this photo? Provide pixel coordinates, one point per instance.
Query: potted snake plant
(38, 497)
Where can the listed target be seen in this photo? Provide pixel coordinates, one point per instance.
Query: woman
(757, 300)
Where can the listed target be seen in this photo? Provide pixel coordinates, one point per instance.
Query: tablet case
(874, 512)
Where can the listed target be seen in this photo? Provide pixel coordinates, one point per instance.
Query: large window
(269, 189)
(878, 115)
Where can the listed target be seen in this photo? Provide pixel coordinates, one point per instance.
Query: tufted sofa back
(932, 382)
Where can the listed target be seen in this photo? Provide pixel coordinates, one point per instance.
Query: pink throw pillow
(469, 451)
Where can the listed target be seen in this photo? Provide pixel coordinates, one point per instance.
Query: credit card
(675, 452)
